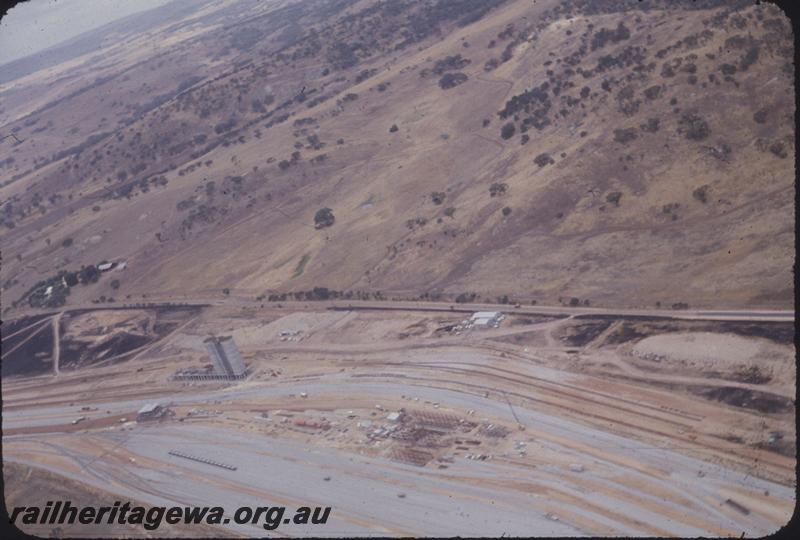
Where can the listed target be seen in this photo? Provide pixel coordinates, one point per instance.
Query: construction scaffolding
(226, 362)
(225, 357)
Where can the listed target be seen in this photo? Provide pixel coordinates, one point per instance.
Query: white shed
(484, 319)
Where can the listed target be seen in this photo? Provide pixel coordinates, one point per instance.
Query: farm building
(486, 319)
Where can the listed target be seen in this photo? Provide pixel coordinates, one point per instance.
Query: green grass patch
(369, 202)
(301, 265)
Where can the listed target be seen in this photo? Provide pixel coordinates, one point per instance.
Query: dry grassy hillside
(616, 152)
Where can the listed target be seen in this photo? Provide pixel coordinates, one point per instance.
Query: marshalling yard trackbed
(406, 424)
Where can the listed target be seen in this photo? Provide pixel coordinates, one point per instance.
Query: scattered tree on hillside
(543, 159)
(651, 126)
(749, 58)
(701, 194)
(653, 92)
(693, 127)
(437, 197)
(779, 149)
(324, 218)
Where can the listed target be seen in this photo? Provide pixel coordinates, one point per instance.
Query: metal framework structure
(225, 357)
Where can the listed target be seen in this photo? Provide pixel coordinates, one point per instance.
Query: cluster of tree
(627, 103)
(53, 291)
(466, 298)
(314, 142)
(624, 136)
(671, 209)
(342, 55)
(448, 63)
(575, 302)
(508, 130)
(322, 294)
(226, 126)
(533, 98)
(203, 214)
(451, 80)
(605, 35)
(497, 189)
(653, 92)
(629, 56)
(365, 74)
(416, 222)
(285, 164)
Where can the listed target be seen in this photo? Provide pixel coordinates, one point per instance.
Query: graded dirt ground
(605, 437)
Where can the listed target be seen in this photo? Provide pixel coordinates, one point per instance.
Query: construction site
(564, 422)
